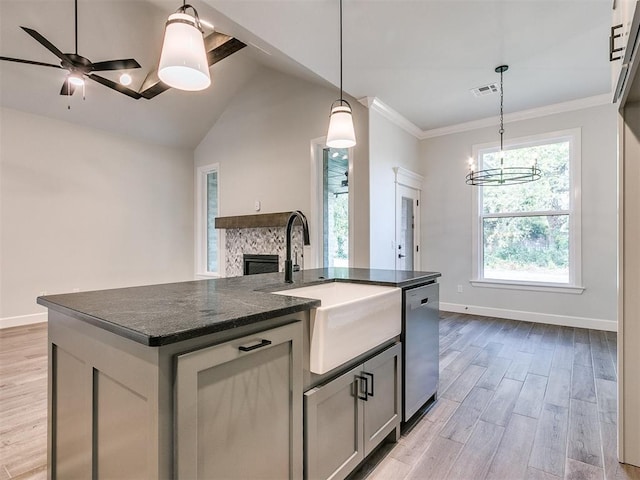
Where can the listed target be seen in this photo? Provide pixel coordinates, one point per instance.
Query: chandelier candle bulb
(509, 175)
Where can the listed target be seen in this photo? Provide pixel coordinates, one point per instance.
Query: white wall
(82, 208)
(262, 143)
(447, 217)
(389, 146)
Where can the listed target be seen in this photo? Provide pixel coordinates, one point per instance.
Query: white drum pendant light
(183, 61)
(341, 133)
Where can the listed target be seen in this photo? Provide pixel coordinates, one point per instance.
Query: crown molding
(375, 104)
(556, 108)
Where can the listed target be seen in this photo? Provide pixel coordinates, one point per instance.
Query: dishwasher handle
(423, 303)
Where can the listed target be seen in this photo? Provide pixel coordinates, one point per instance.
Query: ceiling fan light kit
(341, 133)
(503, 175)
(183, 61)
(78, 66)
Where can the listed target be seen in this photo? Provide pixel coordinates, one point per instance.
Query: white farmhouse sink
(352, 319)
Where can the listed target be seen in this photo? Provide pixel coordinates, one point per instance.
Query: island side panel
(118, 414)
(103, 405)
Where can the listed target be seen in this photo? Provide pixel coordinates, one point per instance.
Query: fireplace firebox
(254, 264)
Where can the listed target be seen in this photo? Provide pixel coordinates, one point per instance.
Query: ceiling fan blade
(115, 86)
(47, 44)
(124, 64)
(67, 88)
(29, 62)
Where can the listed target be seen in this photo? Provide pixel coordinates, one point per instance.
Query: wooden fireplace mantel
(261, 220)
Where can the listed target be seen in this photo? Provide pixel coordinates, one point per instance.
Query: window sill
(536, 287)
(208, 275)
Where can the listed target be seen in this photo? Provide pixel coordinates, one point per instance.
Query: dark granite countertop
(157, 315)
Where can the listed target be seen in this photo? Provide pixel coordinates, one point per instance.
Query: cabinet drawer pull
(362, 388)
(263, 343)
(369, 392)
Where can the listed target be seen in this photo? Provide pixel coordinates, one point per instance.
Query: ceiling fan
(78, 66)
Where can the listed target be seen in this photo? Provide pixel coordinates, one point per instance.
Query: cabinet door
(333, 428)
(383, 407)
(239, 408)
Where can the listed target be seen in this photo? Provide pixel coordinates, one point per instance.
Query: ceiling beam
(217, 45)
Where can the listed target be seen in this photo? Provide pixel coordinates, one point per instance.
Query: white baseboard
(550, 318)
(21, 320)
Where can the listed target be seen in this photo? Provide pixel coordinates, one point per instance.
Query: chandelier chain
(501, 175)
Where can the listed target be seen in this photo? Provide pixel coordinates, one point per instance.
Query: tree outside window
(526, 232)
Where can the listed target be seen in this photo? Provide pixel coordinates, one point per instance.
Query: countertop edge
(227, 286)
(160, 340)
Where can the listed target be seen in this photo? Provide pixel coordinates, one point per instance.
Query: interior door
(407, 228)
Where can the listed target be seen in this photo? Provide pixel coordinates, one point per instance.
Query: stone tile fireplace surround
(255, 235)
(265, 240)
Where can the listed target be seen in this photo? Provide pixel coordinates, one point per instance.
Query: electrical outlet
(459, 288)
(257, 205)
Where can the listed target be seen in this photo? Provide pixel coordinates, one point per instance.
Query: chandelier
(502, 175)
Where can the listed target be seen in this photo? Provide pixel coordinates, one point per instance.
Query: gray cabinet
(346, 418)
(239, 408)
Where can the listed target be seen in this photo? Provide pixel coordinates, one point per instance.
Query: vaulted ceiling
(420, 57)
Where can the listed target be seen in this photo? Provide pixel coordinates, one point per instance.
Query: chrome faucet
(288, 263)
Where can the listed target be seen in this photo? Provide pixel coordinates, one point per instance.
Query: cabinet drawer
(239, 408)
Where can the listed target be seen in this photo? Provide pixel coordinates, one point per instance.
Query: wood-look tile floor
(516, 401)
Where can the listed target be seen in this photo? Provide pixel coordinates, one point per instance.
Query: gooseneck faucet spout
(288, 263)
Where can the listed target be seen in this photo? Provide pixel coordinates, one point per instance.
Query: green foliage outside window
(529, 237)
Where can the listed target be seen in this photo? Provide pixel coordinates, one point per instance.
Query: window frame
(574, 213)
(201, 222)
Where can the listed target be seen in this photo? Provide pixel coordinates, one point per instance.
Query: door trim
(408, 179)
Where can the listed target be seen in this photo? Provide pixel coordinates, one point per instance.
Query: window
(528, 235)
(335, 207)
(207, 237)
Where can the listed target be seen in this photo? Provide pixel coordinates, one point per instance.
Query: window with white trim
(207, 237)
(529, 234)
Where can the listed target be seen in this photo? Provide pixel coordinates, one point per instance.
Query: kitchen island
(134, 371)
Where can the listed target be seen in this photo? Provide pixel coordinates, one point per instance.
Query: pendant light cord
(501, 114)
(76, 24)
(340, 51)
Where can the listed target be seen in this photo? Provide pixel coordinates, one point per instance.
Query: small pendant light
(183, 61)
(341, 133)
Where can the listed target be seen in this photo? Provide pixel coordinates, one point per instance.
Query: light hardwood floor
(517, 401)
(23, 402)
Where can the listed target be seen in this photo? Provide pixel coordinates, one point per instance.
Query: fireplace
(254, 264)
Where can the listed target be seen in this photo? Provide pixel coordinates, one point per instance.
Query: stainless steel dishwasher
(421, 345)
